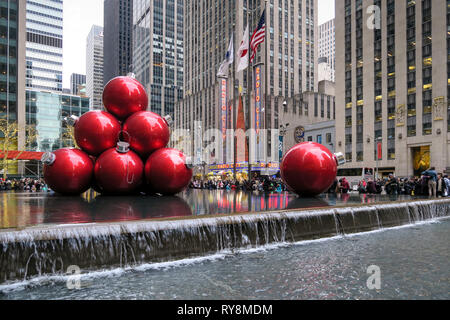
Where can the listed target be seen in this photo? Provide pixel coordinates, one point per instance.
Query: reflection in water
(30, 209)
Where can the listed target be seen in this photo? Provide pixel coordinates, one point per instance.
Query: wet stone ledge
(51, 250)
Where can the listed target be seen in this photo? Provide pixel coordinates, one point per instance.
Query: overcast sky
(80, 15)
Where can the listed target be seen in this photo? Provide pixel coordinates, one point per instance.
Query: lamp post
(283, 132)
(377, 140)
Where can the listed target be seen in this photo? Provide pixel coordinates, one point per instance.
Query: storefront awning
(22, 155)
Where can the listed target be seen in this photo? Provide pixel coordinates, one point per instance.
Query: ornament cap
(168, 120)
(131, 75)
(340, 159)
(72, 120)
(189, 163)
(48, 158)
(123, 147)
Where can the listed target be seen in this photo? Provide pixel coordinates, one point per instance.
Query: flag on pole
(229, 59)
(243, 52)
(258, 35)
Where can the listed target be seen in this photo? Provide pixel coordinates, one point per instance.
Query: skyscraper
(76, 80)
(44, 51)
(327, 49)
(290, 47)
(392, 85)
(94, 67)
(12, 66)
(118, 38)
(158, 52)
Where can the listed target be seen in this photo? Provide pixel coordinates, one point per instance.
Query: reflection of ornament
(121, 209)
(147, 132)
(124, 96)
(309, 169)
(166, 172)
(119, 171)
(68, 171)
(299, 134)
(96, 132)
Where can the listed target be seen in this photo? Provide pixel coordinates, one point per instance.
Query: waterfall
(50, 250)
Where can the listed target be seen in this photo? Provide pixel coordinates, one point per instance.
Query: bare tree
(9, 140)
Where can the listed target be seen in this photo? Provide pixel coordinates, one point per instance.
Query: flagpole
(266, 88)
(234, 112)
(249, 99)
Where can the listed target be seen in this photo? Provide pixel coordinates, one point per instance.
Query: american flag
(259, 35)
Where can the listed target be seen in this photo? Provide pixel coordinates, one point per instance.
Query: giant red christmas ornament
(119, 171)
(147, 132)
(309, 169)
(167, 172)
(124, 96)
(96, 131)
(68, 171)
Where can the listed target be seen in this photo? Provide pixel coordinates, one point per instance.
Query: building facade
(290, 49)
(392, 86)
(44, 49)
(76, 82)
(327, 51)
(118, 38)
(312, 120)
(94, 67)
(12, 68)
(46, 111)
(158, 51)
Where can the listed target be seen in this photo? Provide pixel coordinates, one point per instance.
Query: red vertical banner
(380, 150)
(224, 108)
(258, 99)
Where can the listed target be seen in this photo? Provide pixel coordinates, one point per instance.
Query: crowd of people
(430, 183)
(262, 184)
(25, 184)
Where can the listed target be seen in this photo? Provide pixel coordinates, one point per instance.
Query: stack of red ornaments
(123, 151)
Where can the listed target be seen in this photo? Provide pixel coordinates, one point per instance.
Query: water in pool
(413, 261)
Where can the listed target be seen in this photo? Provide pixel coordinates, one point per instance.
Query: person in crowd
(392, 185)
(333, 187)
(432, 181)
(446, 186)
(362, 187)
(371, 187)
(409, 186)
(344, 186)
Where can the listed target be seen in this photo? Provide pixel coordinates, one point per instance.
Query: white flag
(229, 59)
(243, 52)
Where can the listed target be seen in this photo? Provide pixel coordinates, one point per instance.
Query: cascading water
(51, 250)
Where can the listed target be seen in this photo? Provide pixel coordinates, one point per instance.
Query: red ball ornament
(147, 132)
(124, 96)
(96, 132)
(166, 172)
(119, 171)
(68, 171)
(309, 169)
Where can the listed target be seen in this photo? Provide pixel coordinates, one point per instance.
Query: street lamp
(283, 132)
(377, 140)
